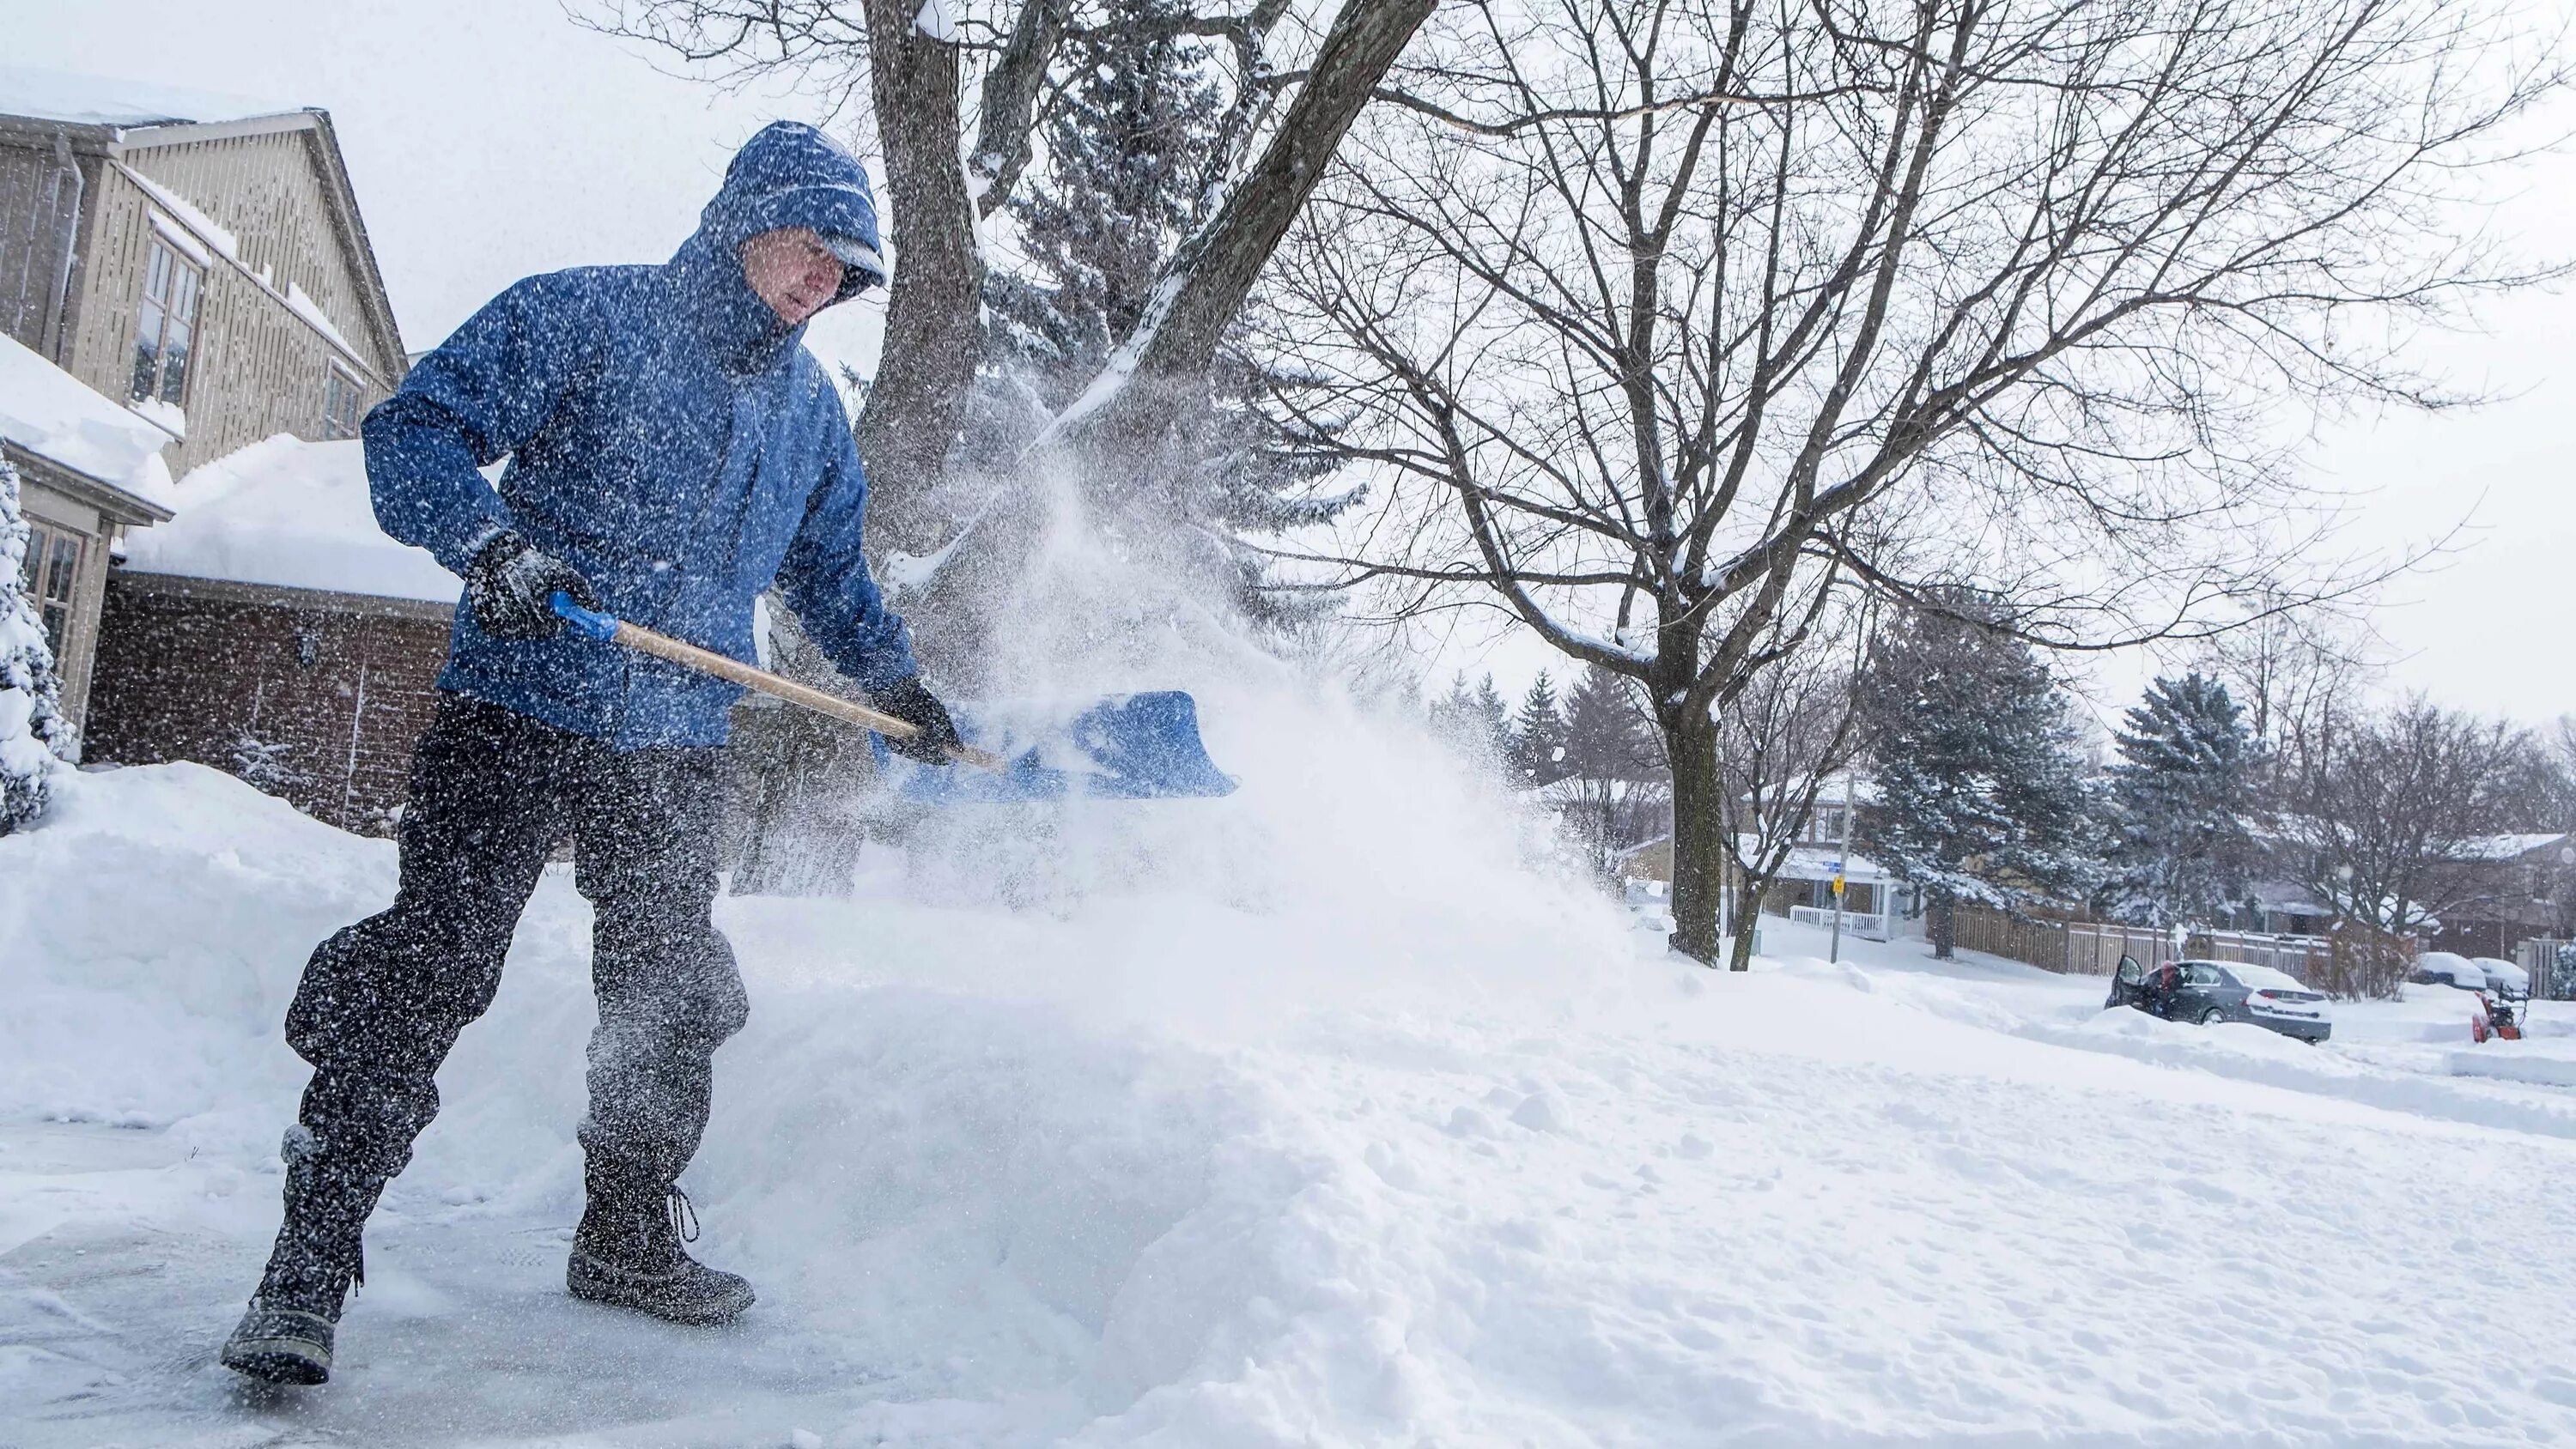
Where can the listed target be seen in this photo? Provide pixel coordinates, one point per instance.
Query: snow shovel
(1126, 747)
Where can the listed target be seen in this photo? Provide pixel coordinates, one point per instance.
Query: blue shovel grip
(590, 622)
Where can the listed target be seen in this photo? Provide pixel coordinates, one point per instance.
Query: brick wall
(191, 669)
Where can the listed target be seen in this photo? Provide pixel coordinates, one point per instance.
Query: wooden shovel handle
(708, 661)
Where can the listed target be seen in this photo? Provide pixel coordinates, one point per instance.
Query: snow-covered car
(2505, 978)
(2210, 992)
(2443, 968)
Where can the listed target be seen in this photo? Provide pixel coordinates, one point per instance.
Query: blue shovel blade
(1126, 747)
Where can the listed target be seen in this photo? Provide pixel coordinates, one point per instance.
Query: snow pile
(2548, 1064)
(1312, 1115)
(1023, 1178)
(289, 512)
(55, 416)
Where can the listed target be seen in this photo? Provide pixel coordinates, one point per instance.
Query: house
(87, 470)
(198, 265)
(200, 258)
(2499, 890)
(274, 631)
(1803, 888)
(2516, 884)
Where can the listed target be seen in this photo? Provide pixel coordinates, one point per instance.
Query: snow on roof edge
(289, 513)
(88, 100)
(62, 420)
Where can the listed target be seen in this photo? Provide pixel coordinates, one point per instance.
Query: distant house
(1805, 881)
(2512, 878)
(197, 263)
(274, 631)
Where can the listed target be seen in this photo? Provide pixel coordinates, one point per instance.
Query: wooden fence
(2348, 963)
(2035, 941)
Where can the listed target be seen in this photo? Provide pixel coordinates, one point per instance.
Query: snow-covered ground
(1386, 1142)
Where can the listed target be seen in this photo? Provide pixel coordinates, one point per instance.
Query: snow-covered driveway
(1215, 1168)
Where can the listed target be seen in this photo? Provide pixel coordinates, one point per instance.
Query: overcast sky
(489, 139)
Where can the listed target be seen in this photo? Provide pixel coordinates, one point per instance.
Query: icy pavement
(1221, 1167)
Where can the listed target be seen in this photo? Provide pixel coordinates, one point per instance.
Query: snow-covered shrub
(262, 764)
(35, 737)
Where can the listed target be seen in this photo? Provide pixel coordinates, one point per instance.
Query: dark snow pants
(492, 794)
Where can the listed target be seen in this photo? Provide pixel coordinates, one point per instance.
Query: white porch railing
(1866, 926)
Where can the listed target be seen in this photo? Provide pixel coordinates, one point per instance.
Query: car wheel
(2213, 1016)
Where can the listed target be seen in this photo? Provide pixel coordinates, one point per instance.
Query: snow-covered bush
(35, 737)
(262, 764)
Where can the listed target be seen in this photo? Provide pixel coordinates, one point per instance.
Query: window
(51, 573)
(165, 327)
(339, 405)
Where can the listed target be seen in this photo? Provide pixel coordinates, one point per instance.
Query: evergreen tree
(1129, 156)
(1494, 718)
(1981, 790)
(1475, 721)
(1612, 789)
(2180, 849)
(1538, 736)
(1605, 736)
(35, 736)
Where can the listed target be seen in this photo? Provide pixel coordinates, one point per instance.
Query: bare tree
(2391, 817)
(2294, 666)
(1655, 313)
(1791, 731)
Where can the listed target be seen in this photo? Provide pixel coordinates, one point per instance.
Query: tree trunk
(1741, 958)
(1699, 852)
(934, 336)
(800, 840)
(1941, 922)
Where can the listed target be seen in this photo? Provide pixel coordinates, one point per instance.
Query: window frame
(54, 559)
(166, 274)
(340, 385)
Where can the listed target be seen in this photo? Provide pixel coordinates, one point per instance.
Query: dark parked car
(2210, 992)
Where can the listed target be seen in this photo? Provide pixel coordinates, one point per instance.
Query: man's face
(792, 271)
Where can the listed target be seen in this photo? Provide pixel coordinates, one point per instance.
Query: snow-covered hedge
(35, 737)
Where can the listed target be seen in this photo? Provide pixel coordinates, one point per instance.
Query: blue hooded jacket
(670, 439)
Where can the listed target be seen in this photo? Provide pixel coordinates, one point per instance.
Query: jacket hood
(791, 174)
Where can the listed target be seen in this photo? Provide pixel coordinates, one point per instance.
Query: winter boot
(627, 1253)
(286, 1337)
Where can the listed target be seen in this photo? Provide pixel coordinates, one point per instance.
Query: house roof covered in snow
(2497, 848)
(85, 100)
(127, 121)
(52, 416)
(1816, 862)
(290, 514)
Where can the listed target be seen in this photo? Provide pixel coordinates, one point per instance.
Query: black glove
(908, 701)
(511, 584)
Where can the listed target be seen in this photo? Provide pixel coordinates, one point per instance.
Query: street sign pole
(1834, 952)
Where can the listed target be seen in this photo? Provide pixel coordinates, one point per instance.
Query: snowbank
(1311, 1116)
(52, 414)
(285, 511)
(1173, 1161)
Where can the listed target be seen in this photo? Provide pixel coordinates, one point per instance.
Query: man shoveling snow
(674, 451)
